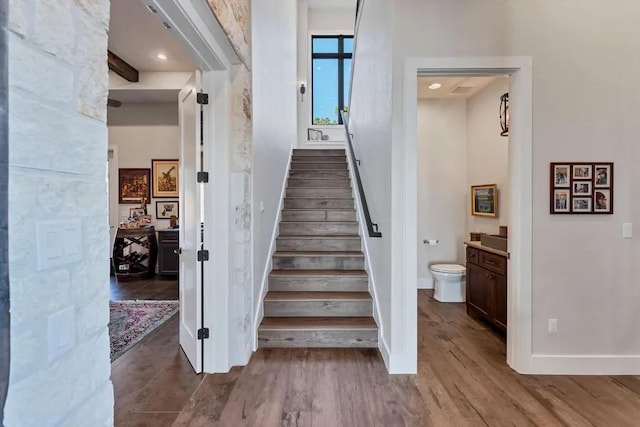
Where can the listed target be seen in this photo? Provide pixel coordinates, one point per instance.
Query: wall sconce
(303, 89)
(504, 114)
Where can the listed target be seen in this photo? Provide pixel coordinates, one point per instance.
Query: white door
(189, 220)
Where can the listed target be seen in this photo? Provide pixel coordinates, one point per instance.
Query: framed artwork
(136, 213)
(166, 179)
(133, 185)
(484, 200)
(587, 189)
(314, 135)
(165, 209)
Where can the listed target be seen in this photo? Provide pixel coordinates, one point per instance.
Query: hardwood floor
(462, 380)
(157, 288)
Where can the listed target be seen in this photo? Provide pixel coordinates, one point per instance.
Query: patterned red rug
(131, 321)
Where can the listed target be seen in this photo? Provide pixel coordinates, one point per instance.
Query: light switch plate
(627, 230)
(58, 243)
(61, 332)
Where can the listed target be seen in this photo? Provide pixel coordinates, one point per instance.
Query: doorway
(463, 193)
(519, 69)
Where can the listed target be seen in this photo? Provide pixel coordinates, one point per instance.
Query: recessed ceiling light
(434, 86)
(162, 56)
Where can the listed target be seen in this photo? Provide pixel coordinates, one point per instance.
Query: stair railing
(371, 226)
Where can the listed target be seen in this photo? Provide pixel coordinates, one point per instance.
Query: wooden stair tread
(316, 296)
(317, 323)
(319, 253)
(319, 273)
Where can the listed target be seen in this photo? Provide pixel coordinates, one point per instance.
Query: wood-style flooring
(463, 380)
(157, 288)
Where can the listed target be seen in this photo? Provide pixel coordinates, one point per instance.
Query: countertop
(478, 245)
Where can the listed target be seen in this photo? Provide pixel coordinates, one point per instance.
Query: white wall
(274, 27)
(442, 183)
(317, 21)
(143, 132)
(487, 155)
(574, 45)
(58, 229)
(370, 122)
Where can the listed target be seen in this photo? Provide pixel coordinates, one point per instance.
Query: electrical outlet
(553, 327)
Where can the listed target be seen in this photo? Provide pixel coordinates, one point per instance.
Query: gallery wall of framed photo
(581, 188)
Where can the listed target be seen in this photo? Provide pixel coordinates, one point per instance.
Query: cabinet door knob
(177, 251)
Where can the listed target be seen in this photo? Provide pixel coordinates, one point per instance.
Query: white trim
(259, 309)
(425, 283)
(364, 235)
(570, 364)
(194, 25)
(520, 159)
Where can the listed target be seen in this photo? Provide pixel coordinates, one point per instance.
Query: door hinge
(202, 177)
(202, 98)
(203, 333)
(203, 255)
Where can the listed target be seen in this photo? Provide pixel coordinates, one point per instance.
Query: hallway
(462, 380)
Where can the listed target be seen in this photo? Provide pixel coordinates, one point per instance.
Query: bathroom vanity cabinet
(487, 285)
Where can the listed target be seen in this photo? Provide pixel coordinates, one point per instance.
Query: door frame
(196, 28)
(519, 301)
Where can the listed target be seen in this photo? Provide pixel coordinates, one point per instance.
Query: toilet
(450, 282)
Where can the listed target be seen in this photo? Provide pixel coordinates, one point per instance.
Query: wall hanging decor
(484, 200)
(133, 185)
(166, 180)
(581, 188)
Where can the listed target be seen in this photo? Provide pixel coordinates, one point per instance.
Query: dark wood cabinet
(168, 258)
(487, 287)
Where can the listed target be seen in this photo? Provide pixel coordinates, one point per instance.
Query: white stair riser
(300, 262)
(318, 215)
(318, 339)
(306, 203)
(317, 308)
(318, 228)
(318, 284)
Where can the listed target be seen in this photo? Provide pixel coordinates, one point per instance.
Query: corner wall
(274, 125)
(487, 155)
(442, 184)
(58, 224)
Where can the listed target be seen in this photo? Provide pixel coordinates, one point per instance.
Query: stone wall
(58, 227)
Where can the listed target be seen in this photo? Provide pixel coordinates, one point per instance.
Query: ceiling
(332, 4)
(453, 87)
(136, 36)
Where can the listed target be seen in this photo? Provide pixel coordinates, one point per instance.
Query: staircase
(318, 290)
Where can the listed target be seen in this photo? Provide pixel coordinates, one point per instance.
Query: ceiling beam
(122, 68)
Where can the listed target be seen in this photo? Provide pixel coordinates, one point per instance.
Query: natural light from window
(331, 74)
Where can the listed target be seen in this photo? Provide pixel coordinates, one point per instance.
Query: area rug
(131, 321)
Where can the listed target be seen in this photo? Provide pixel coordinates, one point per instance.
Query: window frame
(340, 56)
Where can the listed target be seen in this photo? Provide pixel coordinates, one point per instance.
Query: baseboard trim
(259, 309)
(384, 350)
(585, 365)
(425, 283)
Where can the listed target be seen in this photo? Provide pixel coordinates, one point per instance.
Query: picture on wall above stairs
(318, 289)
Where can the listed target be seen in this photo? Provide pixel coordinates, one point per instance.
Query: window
(331, 72)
